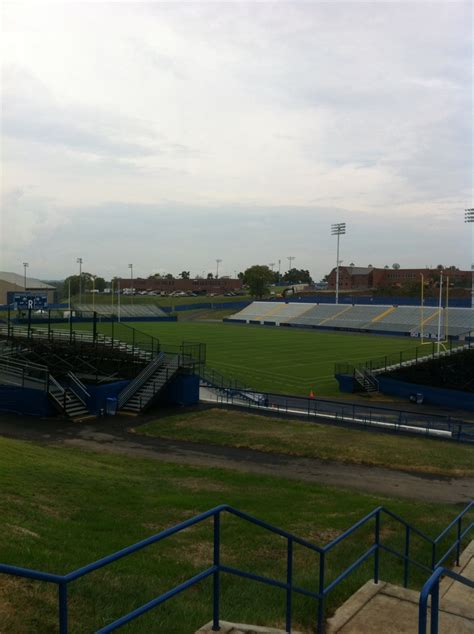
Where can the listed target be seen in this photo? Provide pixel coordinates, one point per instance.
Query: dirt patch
(22, 531)
(198, 485)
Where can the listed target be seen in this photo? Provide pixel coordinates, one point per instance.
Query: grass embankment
(288, 361)
(312, 440)
(62, 508)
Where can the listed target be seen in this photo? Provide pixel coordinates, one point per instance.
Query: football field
(291, 361)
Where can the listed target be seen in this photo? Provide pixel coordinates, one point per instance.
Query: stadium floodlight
(218, 261)
(469, 218)
(130, 266)
(338, 229)
(25, 266)
(79, 261)
(290, 259)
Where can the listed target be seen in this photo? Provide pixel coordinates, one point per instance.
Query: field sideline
(290, 361)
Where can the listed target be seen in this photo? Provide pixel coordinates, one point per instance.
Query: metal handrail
(80, 386)
(217, 567)
(431, 588)
(131, 389)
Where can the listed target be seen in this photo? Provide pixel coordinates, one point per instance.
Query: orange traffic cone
(311, 394)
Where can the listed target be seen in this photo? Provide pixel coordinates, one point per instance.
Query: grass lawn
(62, 508)
(280, 360)
(238, 429)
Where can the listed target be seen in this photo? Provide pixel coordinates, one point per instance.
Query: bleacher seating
(399, 319)
(126, 310)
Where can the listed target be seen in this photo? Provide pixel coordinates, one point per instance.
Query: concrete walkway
(390, 609)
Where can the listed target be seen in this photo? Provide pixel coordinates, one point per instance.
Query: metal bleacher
(126, 310)
(400, 319)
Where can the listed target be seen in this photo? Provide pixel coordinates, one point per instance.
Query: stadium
(93, 364)
(216, 414)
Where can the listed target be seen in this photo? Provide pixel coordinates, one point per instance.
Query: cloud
(245, 128)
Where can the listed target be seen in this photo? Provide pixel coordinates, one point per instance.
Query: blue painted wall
(25, 401)
(183, 390)
(432, 395)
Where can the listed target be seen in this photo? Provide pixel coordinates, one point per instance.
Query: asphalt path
(117, 436)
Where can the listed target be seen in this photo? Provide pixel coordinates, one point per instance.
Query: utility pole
(279, 271)
(217, 268)
(338, 229)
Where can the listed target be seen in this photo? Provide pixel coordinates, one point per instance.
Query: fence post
(322, 563)
(458, 546)
(434, 608)
(377, 543)
(62, 596)
(289, 581)
(407, 554)
(216, 575)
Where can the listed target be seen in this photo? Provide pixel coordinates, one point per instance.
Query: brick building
(371, 278)
(196, 285)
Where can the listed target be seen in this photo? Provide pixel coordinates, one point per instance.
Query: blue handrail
(217, 568)
(431, 588)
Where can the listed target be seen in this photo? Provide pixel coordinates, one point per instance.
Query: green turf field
(63, 508)
(290, 361)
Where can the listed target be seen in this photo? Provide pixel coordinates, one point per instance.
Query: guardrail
(324, 588)
(412, 356)
(339, 412)
(431, 588)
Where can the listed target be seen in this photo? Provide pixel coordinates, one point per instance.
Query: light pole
(279, 271)
(93, 293)
(25, 266)
(290, 259)
(130, 266)
(338, 229)
(469, 218)
(217, 268)
(79, 261)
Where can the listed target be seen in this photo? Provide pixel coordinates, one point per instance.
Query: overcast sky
(170, 134)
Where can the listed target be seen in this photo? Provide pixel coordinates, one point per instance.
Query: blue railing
(431, 588)
(324, 587)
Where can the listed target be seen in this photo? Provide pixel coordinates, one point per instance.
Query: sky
(172, 134)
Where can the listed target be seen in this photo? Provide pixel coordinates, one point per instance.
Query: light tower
(25, 266)
(218, 261)
(79, 261)
(469, 218)
(338, 229)
(130, 266)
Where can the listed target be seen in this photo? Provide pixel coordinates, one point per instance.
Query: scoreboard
(30, 302)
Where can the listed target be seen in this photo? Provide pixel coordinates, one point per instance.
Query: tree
(86, 284)
(297, 276)
(185, 275)
(395, 266)
(258, 278)
(169, 276)
(210, 276)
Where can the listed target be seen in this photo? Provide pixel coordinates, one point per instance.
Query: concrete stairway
(390, 609)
